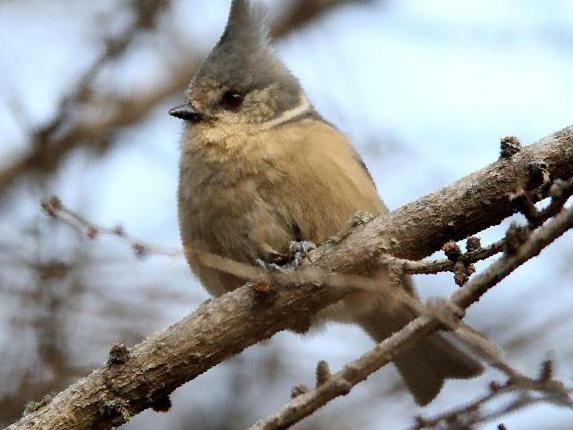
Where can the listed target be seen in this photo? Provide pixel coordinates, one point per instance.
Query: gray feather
(244, 60)
(246, 23)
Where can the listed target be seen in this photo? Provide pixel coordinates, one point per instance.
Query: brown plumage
(260, 168)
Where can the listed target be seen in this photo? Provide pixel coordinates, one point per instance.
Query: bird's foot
(274, 261)
(298, 252)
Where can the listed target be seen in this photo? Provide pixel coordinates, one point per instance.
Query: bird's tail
(426, 366)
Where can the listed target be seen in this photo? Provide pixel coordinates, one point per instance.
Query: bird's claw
(298, 252)
(268, 266)
(274, 261)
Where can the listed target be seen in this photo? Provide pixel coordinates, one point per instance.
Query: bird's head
(242, 86)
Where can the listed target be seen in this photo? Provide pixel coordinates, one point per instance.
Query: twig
(56, 209)
(462, 264)
(53, 140)
(91, 230)
(357, 371)
(524, 201)
(431, 267)
(529, 391)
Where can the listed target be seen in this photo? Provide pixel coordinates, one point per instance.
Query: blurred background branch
(88, 118)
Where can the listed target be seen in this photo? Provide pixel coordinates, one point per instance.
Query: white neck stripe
(302, 108)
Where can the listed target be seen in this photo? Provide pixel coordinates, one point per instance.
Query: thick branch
(466, 207)
(223, 327)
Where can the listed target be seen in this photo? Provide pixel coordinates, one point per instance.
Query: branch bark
(223, 327)
(468, 206)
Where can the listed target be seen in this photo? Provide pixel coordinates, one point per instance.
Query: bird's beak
(186, 112)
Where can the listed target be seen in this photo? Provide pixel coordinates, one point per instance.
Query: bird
(261, 169)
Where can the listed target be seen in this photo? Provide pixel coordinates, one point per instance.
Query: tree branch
(55, 208)
(468, 206)
(341, 383)
(223, 327)
(543, 389)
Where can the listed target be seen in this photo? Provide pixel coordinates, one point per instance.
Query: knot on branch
(462, 272)
(117, 410)
(302, 326)
(161, 404)
(322, 373)
(298, 391)
(509, 146)
(539, 175)
(473, 243)
(515, 237)
(118, 354)
(495, 386)
(421, 422)
(342, 388)
(140, 250)
(560, 189)
(359, 218)
(33, 406)
(461, 268)
(546, 371)
(52, 206)
(118, 231)
(262, 290)
(92, 232)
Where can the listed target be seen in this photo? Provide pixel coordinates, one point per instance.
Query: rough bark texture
(223, 327)
(468, 206)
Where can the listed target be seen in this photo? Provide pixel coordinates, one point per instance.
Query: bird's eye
(232, 100)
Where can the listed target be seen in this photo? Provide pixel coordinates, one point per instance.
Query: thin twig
(431, 267)
(357, 371)
(88, 229)
(528, 393)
